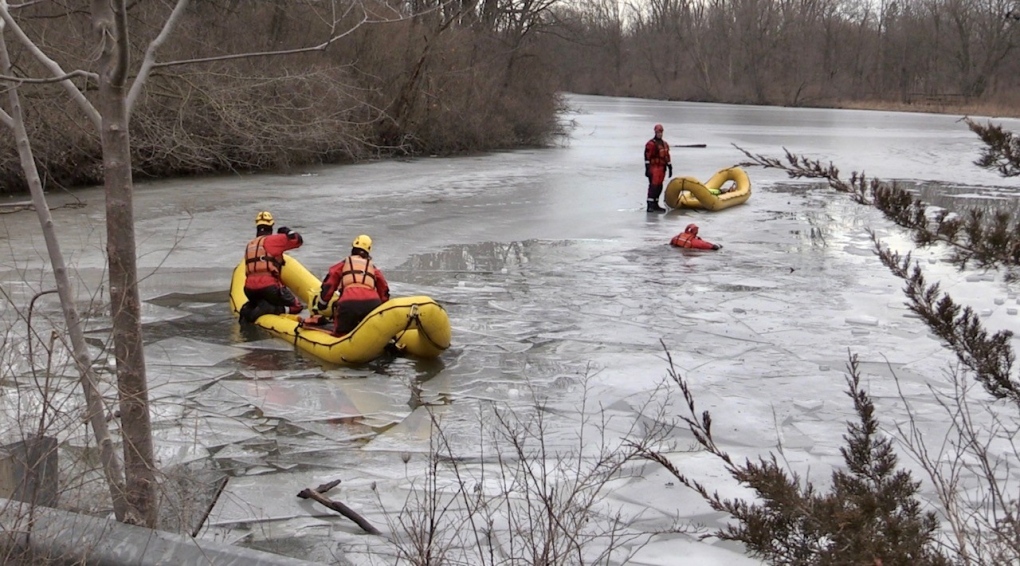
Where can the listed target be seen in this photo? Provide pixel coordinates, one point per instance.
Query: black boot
(251, 312)
(245, 313)
(653, 206)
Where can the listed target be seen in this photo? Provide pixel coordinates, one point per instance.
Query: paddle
(689, 145)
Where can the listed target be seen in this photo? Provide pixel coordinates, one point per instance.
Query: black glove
(716, 247)
(296, 308)
(648, 171)
(283, 230)
(320, 306)
(669, 169)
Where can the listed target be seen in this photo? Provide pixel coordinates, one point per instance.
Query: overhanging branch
(64, 77)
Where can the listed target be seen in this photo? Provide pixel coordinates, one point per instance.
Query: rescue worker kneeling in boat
(263, 259)
(689, 239)
(362, 288)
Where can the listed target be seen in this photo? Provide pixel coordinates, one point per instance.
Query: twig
(323, 488)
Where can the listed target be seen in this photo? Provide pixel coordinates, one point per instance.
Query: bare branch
(150, 53)
(320, 47)
(64, 77)
(76, 95)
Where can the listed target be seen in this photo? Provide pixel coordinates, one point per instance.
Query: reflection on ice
(182, 351)
(322, 400)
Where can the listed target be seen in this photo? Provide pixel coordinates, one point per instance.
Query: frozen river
(557, 283)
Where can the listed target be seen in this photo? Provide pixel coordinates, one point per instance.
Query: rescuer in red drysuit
(362, 288)
(656, 163)
(689, 239)
(263, 258)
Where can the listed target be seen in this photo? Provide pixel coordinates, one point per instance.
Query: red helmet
(692, 229)
(658, 128)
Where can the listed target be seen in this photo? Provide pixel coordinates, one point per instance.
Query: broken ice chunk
(862, 320)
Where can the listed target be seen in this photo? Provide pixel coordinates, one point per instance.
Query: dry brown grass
(1004, 106)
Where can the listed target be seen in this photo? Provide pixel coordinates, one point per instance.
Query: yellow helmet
(362, 242)
(263, 219)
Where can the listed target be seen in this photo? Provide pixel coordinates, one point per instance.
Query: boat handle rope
(421, 329)
(411, 318)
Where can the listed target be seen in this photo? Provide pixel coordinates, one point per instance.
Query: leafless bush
(205, 122)
(973, 471)
(43, 411)
(528, 499)
(49, 457)
(431, 85)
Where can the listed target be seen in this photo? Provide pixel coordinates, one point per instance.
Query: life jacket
(686, 238)
(257, 260)
(660, 154)
(358, 272)
(683, 240)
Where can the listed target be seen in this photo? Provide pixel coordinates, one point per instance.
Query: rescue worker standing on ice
(656, 163)
(263, 259)
(362, 288)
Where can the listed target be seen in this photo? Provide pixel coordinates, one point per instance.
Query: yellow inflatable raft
(417, 326)
(687, 192)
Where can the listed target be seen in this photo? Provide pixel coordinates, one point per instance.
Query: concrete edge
(83, 539)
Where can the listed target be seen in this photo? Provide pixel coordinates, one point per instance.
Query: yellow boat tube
(688, 192)
(417, 326)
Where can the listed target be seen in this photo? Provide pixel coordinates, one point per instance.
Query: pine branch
(989, 357)
(1002, 147)
(986, 238)
(871, 516)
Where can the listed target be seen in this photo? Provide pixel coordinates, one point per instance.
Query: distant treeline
(791, 52)
(429, 79)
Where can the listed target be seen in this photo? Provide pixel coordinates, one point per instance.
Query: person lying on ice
(689, 239)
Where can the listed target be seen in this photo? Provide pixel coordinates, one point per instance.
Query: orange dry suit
(263, 258)
(657, 158)
(689, 239)
(362, 288)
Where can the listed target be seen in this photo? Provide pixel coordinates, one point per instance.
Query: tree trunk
(93, 401)
(110, 23)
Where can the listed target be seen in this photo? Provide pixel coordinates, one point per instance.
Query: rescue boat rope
(414, 316)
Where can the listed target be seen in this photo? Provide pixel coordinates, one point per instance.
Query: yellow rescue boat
(688, 192)
(417, 326)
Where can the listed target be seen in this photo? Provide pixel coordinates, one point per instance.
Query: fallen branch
(11, 207)
(316, 495)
